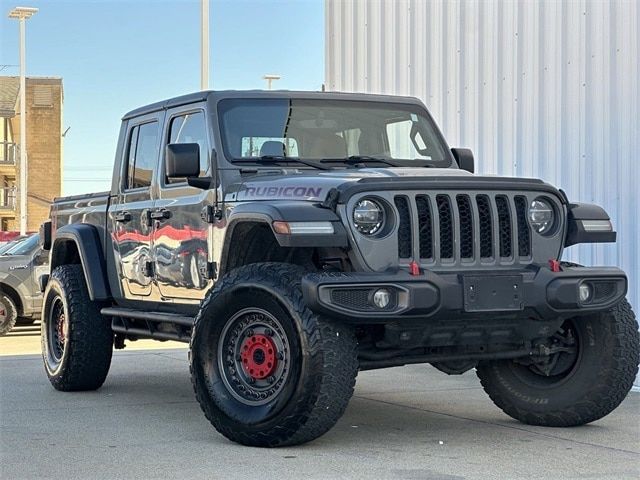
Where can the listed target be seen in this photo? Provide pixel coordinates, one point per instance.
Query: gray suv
(21, 267)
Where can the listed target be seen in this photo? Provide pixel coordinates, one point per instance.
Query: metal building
(545, 89)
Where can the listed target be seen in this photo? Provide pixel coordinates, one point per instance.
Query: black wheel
(265, 369)
(77, 341)
(593, 367)
(8, 313)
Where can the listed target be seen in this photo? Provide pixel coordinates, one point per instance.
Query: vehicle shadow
(31, 330)
(407, 423)
(427, 418)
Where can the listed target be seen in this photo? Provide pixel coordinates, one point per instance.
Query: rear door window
(143, 155)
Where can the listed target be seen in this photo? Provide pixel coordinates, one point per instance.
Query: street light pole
(22, 14)
(204, 44)
(270, 78)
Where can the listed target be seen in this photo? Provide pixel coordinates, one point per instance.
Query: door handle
(123, 217)
(161, 214)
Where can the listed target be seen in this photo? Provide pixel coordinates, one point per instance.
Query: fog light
(381, 298)
(584, 292)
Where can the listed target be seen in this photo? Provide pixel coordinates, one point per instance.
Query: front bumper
(535, 293)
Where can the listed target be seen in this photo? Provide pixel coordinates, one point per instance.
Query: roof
(216, 95)
(9, 89)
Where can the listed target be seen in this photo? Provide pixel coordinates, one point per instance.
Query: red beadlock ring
(259, 356)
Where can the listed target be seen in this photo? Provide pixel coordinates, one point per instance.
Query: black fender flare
(288, 211)
(291, 211)
(576, 233)
(86, 241)
(8, 289)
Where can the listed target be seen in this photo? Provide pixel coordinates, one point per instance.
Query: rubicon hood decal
(285, 192)
(312, 188)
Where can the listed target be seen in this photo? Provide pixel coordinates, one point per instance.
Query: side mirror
(182, 160)
(45, 235)
(464, 158)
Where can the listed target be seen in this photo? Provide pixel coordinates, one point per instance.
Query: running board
(134, 324)
(148, 316)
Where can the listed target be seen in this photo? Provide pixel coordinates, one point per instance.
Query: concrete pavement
(403, 423)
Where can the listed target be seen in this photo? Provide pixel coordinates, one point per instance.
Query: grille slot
(446, 226)
(485, 218)
(404, 227)
(425, 226)
(504, 224)
(466, 226)
(524, 236)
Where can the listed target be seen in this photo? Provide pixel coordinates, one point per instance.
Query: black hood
(315, 185)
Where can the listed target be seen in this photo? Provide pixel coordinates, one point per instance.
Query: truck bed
(89, 208)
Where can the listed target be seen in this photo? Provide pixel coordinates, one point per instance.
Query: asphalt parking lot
(403, 423)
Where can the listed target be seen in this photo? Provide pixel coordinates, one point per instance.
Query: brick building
(44, 98)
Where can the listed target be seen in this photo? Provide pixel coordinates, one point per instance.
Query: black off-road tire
(321, 370)
(77, 356)
(8, 320)
(603, 374)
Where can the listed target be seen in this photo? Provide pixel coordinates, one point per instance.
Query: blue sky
(116, 55)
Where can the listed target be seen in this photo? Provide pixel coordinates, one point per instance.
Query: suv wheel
(8, 313)
(77, 341)
(593, 370)
(265, 369)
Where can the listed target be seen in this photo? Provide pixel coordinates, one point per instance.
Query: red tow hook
(414, 268)
(554, 265)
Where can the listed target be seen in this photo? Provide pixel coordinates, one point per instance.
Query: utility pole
(22, 14)
(204, 44)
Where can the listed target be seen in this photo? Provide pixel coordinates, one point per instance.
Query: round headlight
(541, 216)
(368, 217)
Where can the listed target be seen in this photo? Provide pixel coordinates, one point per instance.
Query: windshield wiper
(358, 159)
(273, 159)
(354, 159)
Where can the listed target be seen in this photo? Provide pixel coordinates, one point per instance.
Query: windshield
(312, 129)
(4, 248)
(24, 247)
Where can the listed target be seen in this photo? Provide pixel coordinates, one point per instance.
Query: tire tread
(13, 318)
(91, 340)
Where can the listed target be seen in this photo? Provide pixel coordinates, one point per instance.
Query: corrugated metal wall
(545, 89)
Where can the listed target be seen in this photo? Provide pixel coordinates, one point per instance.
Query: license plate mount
(484, 293)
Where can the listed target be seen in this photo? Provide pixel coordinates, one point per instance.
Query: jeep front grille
(463, 228)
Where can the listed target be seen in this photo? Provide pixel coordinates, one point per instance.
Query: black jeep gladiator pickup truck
(294, 239)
